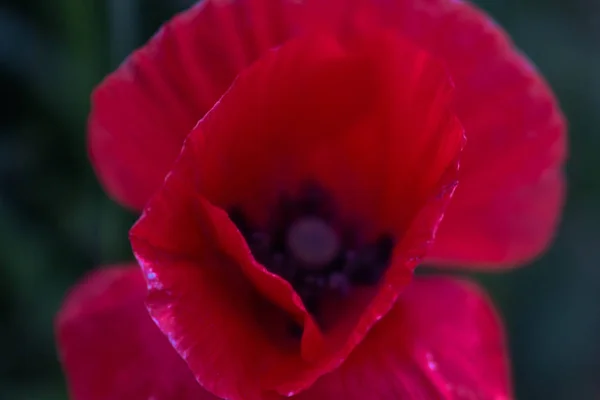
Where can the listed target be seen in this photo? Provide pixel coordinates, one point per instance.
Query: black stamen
(306, 244)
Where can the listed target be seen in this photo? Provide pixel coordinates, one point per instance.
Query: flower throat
(306, 244)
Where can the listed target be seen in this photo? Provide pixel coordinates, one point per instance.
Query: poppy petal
(142, 112)
(368, 117)
(314, 96)
(111, 349)
(506, 208)
(214, 316)
(442, 340)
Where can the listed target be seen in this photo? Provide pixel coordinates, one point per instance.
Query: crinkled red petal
(142, 112)
(442, 340)
(507, 208)
(111, 349)
(512, 189)
(315, 109)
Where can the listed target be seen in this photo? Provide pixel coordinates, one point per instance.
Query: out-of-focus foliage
(56, 223)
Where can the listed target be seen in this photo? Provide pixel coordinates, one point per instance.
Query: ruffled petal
(315, 99)
(142, 112)
(368, 117)
(442, 340)
(109, 347)
(214, 315)
(507, 208)
(512, 189)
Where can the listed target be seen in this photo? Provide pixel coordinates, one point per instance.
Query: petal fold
(442, 340)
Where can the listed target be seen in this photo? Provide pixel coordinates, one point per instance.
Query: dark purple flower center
(308, 245)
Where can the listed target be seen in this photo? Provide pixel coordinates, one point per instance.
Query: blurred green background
(56, 223)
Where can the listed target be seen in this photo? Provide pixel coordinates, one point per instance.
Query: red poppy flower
(321, 148)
